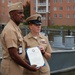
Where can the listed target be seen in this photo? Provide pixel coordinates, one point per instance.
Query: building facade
(4, 15)
(54, 12)
(42, 7)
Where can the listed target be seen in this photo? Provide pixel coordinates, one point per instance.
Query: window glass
(60, 15)
(61, 1)
(3, 1)
(55, 15)
(3, 13)
(73, 0)
(55, 1)
(73, 7)
(3, 7)
(34, 1)
(55, 8)
(68, 1)
(9, 2)
(68, 15)
(68, 7)
(61, 8)
(73, 15)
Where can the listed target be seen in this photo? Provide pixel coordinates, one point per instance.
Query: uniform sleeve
(48, 48)
(11, 39)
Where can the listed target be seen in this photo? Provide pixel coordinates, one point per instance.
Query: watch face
(39, 18)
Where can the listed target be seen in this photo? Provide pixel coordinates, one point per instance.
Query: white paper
(35, 56)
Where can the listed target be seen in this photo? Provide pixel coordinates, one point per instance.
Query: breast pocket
(20, 38)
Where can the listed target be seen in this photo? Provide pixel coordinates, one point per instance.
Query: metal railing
(52, 32)
(48, 32)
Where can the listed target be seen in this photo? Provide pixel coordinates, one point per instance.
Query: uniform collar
(14, 24)
(30, 35)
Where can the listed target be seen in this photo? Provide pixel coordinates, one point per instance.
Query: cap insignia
(39, 18)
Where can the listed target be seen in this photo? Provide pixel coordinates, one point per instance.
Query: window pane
(68, 7)
(55, 8)
(55, 15)
(73, 15)
(9, 2)
(68, 15)
(34, 1)
(68, 1)
(3, 1)
(61, 8)
(61, 1)
(73, 7)
(73, 0)
(60, 15)
(55, 1)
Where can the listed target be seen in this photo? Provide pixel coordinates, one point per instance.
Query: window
(3, 7)
(68, 1)
(73, 0)
(9, 2)
(3, 13)
(61, 1)
(55, 8)
(68, 15)
(60, 15)
(41, 1)
(73, 7)
(55, 15)
(68, 7)
(34, 1)
(73, 15)
(55, 1)
(3, 1)
(61, 8)
(43, 17)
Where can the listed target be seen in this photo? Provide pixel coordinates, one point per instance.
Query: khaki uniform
(11, 37)
(31, 41)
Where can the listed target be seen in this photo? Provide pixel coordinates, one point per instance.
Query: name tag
(20, 50)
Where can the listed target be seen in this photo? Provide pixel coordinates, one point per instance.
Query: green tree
(27, 9)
